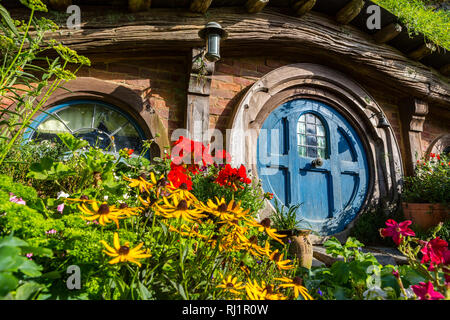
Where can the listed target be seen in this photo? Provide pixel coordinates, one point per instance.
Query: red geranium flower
(425, 291)
(231, 177)
(222, 155)
(434, 251)
(446, 268)
(397, 230)
(190, 152)
(177, 175)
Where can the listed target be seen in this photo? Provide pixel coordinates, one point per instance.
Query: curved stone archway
(439, 145)
(120, 96)
(323, 84)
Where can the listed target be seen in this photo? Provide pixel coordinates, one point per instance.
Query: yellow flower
(125, 210)
(104, 213)
(182, 193)
(225, 212)
(230, 284)
(295, 283)
(262, 292)
(140, 182)
(264, 225)
(188, 232)
(124, 253)
(179, 208)
(277, 257)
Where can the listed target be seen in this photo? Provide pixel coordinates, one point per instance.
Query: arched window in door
(311, 136)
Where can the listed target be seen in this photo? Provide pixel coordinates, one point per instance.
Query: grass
(421, 19)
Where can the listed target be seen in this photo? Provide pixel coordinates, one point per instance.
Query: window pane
(108, 120)
(77, 116)
(312, 152)
(320, 130)
(52, 125)
(311, 128)
(310, 118)
(302, 139)
(321, 142)
(302, 151)
(311, 141)
(321, 152)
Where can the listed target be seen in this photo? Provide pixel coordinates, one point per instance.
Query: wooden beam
(139, 5)
(387, 33)
(197, 111)
(269, 32)
(413, 114)
(59, 5)
(349, 12)
(445, 70)
(200, 6)
(255, 6)
(423, 51)
(303, 7)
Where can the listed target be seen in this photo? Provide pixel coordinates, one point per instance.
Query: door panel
(332, 190)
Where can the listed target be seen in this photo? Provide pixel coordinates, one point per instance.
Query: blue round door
(308, 153)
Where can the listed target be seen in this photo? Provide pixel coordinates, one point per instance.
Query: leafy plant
(26, 79)
(286, 218)
(431, 181)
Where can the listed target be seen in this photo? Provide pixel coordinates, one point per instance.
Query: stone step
(383, 255)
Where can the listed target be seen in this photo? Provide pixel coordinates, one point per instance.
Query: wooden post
(197, 113)
(139, 5)
(255, 6)
(422, 51)
(303, 7)
(413, 116)
(387, 33)
(200, 6)
(349, 12)
(60, 5)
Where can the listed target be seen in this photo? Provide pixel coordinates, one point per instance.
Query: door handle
(317, 162)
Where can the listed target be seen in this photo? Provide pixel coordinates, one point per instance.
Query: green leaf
(145, 294)
(7, 283)
(11, 241)
(71, 142)
(10, 258)
(27, 290)
(8, 20)
(341, 271)
(30, 268)
(52, 275)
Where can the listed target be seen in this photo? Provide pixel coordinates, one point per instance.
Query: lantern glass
(213, 46)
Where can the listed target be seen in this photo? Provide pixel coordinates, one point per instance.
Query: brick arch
(118, 95)
(304, 80)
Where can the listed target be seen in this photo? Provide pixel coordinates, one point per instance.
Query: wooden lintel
(255, 6)
(59, 5)
(303, 7)
(349, 12)
(423, 51)
(200, 6)
(445, 70)
(139, 5)
(387, 33)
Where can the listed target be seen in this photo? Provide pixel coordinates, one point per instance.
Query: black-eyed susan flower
(264, 291)
(123, 253)
(187, 231)
(126, 211)
(231, 284)
(104, 213)
(140, 182)
(181, 192)
(296, 284)
(264, 226)
(178, 209)
(224, 211)
(277, 257)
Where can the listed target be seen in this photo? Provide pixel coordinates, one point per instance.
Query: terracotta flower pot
(301, 246)
(425, 215)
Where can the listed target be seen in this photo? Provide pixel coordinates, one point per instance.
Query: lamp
(212, 33)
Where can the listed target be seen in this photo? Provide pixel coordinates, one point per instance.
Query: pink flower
(446, 268)
(14, 199)
(434, 251)
(51, 231)
(60, 208)
(425, 291)
(397, 230)
(29, 255)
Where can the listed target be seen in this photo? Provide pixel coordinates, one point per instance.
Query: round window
(101, 124)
